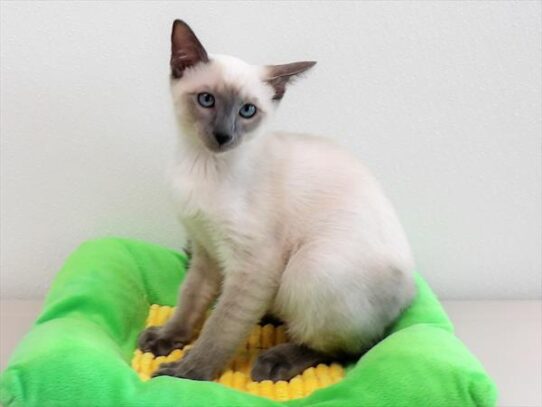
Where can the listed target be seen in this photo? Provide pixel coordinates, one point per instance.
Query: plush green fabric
(78, 352)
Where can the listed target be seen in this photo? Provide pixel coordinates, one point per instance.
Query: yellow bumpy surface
(237, 374)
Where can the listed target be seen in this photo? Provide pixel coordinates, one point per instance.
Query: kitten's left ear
(186, 50)
(279, 75)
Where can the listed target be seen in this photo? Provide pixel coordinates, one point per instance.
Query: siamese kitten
(282, 224)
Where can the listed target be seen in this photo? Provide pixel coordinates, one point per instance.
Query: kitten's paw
(284, 361)
(272, 365)
(158, 342)
(186, 369)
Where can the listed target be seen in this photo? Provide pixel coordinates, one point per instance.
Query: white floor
(505, 335)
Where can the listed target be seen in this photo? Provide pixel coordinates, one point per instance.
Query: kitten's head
(222, 101)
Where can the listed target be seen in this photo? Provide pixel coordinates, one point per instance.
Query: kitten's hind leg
(284, 361)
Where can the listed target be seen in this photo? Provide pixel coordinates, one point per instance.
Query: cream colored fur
(292, 224)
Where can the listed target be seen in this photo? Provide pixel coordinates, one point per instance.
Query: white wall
(441, 99)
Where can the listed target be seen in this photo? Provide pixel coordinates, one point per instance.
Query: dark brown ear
(186, 50)
(279, 75)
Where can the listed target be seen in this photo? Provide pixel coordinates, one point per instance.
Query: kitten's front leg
(199, 289)
(245, 298)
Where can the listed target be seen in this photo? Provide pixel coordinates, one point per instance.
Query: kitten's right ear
(280, 75)
(186, 50)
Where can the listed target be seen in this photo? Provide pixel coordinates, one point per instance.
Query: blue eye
(247, 111)
(206, 100)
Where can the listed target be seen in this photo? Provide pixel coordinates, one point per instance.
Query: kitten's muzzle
(222, 138)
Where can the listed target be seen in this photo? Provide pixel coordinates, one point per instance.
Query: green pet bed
(79, 350)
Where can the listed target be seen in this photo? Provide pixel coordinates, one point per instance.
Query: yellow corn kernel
(227, 378)
(266, 389)
(151, 319)
(146, 363)
(254, 338)
(242, 363)
(323, 375)
(309, 373)
(144, 376)
(280, 334)
(171, 312)
(309, 385)
(295, 387)
(163, 315)
(136, 359)
(268, 336)
(281, 390)
(336, 372)
(253, 388)
(157, 362)
(174, 355)
(239, 381)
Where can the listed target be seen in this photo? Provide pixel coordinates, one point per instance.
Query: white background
(441, 99)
